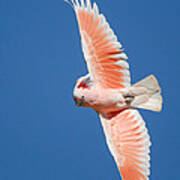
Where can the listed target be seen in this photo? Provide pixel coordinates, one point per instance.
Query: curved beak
(79, 102)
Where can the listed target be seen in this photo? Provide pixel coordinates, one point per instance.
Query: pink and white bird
(108, 90)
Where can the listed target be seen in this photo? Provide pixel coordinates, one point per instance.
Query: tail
(153, 96)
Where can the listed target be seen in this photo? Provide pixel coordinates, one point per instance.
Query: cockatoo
(108, 90)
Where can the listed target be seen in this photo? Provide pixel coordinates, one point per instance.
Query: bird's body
(107, 89)
(99, 99)
(109, 100)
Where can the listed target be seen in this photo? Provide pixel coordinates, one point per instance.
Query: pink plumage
(108, 90)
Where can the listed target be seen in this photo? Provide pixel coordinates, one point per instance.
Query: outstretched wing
(103, 54)
(129, 143)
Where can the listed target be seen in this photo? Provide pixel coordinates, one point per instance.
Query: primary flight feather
(108, 90)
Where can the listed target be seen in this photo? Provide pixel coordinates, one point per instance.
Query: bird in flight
(108, 90)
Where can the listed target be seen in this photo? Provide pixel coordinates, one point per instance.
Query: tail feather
(150, 83)
(154, 103)
(153, 97)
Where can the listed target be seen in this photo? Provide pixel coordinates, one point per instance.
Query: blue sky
(43, 136)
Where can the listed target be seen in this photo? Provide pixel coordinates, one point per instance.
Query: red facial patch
(82, 84)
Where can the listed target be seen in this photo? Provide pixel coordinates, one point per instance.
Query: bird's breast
(106, 101)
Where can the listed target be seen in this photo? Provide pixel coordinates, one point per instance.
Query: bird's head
(81, 91)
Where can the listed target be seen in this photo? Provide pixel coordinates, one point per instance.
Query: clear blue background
(43, 136)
